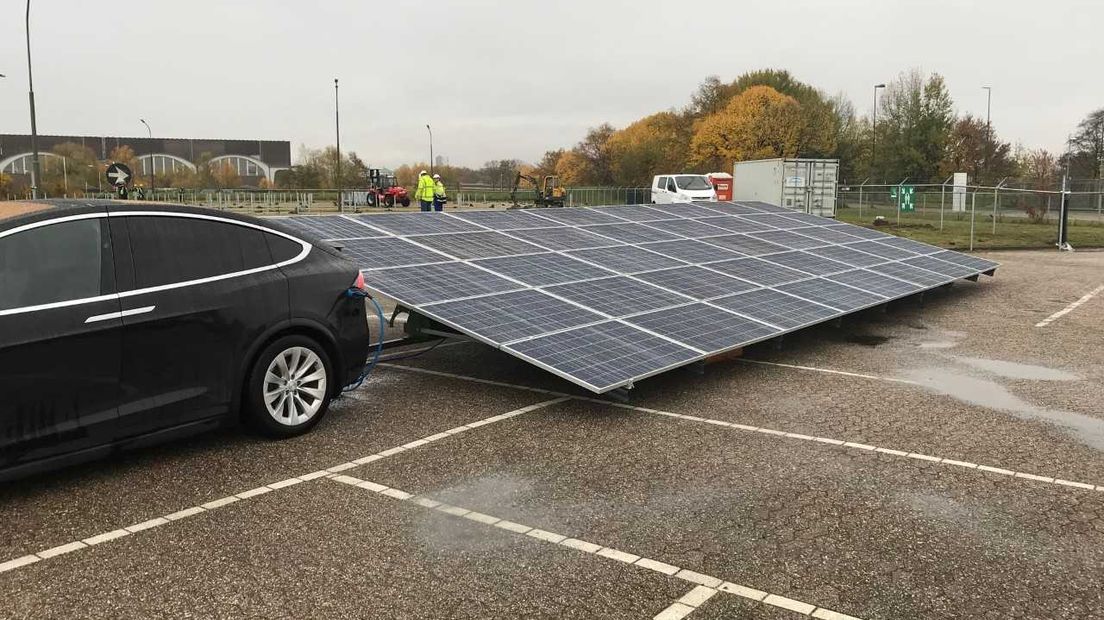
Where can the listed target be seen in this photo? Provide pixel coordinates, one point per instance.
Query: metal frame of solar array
(607, 296)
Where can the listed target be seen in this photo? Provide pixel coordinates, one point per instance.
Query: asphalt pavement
(940, 459)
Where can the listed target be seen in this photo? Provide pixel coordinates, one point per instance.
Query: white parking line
(687, 604)
(1070, 308)
(708, 582)
(828, 371)
(261, 490)
(863, 447)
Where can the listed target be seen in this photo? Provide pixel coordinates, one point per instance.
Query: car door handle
(118, 315)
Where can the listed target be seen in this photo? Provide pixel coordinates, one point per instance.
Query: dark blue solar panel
(618, 296)
(604, 356)
(543, 269)
(388, 252)
(704, 327)
(512, 316)
(696, 282)
(429, 283)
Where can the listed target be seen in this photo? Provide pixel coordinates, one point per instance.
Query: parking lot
(937, 460)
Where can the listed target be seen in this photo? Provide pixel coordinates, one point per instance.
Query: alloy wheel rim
(294, 386)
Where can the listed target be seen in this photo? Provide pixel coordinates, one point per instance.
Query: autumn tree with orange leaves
(757, 124)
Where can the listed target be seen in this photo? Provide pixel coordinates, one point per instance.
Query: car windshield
(693, 182)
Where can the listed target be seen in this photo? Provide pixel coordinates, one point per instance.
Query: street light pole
(430, 148)
(151, 160)
(988, 136)
(36, 173)
(337, 130)
(874, 150)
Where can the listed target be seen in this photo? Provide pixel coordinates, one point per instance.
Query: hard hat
(436, 176)
(422, 172)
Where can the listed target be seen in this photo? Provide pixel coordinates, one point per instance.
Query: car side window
(59, 262)
(171, 250)
(661, 182)
(282, 248)
(671, 185)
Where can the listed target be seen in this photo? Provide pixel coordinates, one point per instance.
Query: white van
(669, 188)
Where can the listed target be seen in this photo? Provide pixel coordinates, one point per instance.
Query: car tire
(289, 387)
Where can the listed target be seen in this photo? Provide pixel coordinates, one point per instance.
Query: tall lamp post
(988, 135)
(337, 131)
(36, 173)
(1, 139)
(874, 150)
(430, 148)
(151, 160)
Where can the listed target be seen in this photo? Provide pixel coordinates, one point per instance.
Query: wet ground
(943, 460)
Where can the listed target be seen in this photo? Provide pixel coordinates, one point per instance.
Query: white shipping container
(806, 185)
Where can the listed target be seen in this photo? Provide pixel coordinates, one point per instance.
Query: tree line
(770, 113)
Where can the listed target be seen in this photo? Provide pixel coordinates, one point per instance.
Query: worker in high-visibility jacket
(439, 196)
(425, 191)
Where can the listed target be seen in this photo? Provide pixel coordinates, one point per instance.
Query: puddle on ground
(1014, 370)
(992, 395)
(946, 340)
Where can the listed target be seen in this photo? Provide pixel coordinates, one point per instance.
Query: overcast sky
(510, 79)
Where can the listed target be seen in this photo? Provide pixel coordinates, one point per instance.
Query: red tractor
(384, 191)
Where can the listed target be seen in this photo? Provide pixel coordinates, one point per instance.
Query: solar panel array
(606, 296)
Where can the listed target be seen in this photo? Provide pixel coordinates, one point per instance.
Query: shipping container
(806, 185)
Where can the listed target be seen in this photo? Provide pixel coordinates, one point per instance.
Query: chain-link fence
(971, 217)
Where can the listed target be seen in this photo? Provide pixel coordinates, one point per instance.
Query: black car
(123, 325)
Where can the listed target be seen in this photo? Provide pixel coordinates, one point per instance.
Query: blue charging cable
(352, 292)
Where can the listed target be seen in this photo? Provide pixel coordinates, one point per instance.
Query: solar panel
(745, 244)
(694, 252)
(685, 210)
(417, 223)
(759, 271)
(329, 226)
(965, 260)
(578, 217)
(617, 296)
(564, 238)
(790, 239)
(729, 207)
(876, 283)
(831, 234)
(629, 233)
(764, 206)
(737, 224)
(809, 263)
(696, 282)
(604, 356)
(510, 219)
(607, 296)
(388, 252)
(784, 311)
(543, 269)
(429, 283)
(940, 266)
(704, 327)
(512, 316)
(909, 273)
(476, 244)
(693, 229)
(832, 294)
(634, 213)
(847, 255)
(626, 259)
(881, 249)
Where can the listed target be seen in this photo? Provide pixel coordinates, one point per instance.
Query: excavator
(548, 192)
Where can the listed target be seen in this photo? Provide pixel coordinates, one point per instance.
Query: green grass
(1012, 232)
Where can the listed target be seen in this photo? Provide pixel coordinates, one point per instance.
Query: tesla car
(124, 324)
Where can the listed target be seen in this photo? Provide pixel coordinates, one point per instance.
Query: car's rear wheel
(289, 387)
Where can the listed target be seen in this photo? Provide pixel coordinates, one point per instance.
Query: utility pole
(430, 149)
(337, 129)
(36, 173)
(988, 135)
(150, 131)
(874, 150)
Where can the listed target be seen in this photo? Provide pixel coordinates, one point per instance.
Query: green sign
(906, 198)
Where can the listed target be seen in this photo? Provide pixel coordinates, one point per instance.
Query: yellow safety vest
(439, 189)
(425, 188)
